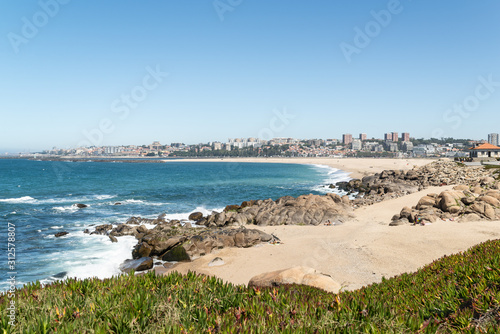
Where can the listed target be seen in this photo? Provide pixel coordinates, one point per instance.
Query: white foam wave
(104, 260)
(71, 208)
(332, 176)
(57, 200)
(56, 227)
(185, 215)
(135, 201)
(100, 197)
(138, 201)
(24, 199)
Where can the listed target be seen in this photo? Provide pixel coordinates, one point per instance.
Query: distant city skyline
(124, 73)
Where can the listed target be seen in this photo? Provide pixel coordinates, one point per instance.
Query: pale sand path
(357, 167)
(356, 253)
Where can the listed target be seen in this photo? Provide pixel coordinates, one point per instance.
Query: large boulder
(178, 254)
(295, 275)
(490, 200)
(196, 216)
(484, 209)
(487, 181)
(451, 201)
(144, 263)
(160, 243)
(470, 217)
(493, 193)
(142, 249)
(425, 202)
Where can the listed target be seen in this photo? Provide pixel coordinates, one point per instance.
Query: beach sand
(359, 252)
(358, 167)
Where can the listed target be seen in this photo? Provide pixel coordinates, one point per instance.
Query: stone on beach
(144, 263)
(295, 275)
(216, 262)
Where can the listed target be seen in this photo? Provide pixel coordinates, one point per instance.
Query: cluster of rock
(170, 240)
(173, 240)
(287, 210)
(463, 203)
(395, 183)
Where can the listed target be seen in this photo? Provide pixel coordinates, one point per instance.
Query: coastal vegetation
(455, 294)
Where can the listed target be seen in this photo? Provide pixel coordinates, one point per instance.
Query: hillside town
(392, 145)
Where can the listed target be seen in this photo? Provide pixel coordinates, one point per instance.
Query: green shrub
(455, 294)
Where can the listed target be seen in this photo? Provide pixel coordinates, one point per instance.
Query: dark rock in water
(195, 216)
(60, 275)
(102, 229)
(117, 203)
(86, 231)
(60, 234)
(177, 253)
(113, 239)
(144, 263)
(80, 205)
(331, 186)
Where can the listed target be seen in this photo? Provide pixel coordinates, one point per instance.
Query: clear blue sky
(228, 77)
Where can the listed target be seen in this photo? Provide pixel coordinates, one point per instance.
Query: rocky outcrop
(125, 229)
(61, 234)
(464, 204)
(303, 210)
(395, 183)
(295, 275)
(80, 205)
(186, 244)
(102, 229)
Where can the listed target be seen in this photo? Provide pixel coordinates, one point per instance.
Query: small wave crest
(138, 201)
(331, 176)
(24, 199)
(71, 208)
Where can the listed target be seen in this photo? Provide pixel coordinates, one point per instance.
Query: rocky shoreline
(476, 196)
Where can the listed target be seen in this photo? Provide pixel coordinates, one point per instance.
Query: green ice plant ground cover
(455, 294)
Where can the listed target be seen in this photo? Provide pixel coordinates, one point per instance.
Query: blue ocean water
(38, 197)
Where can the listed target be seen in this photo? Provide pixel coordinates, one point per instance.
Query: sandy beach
(358, 167)
(359, 252)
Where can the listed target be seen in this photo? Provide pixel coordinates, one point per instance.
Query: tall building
(405, 136)
(356, 144)
(493, 139)
(394, 136)
(362, 136)
(346, 138)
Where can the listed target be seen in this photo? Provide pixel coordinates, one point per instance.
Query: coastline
(355, 254)
(357, 167)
